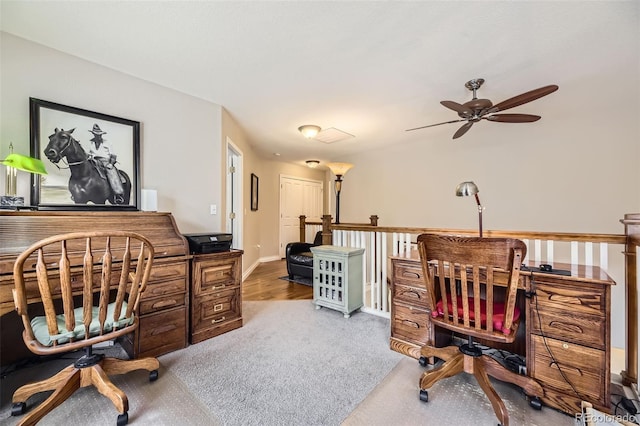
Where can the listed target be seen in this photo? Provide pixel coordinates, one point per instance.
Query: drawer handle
(410, 274)
(215, 287)
(411, 323)
(412, 293)
(163, 329)
(566, 327)
(218, 307)
(564, 367)
(162, 290)
(565, 299)
(218, 320)
(163, 303)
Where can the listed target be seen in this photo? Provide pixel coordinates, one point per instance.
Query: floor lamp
(339, 169)
(470, 188)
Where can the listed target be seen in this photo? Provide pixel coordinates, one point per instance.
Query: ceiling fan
(483, 109)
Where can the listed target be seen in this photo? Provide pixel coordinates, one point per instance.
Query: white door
(297, 197)
(234, 194)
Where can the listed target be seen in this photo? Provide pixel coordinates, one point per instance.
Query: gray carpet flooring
(290, 364)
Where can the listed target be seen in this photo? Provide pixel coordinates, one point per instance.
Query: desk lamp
(15, 162)
(470, 188)
(339, 169)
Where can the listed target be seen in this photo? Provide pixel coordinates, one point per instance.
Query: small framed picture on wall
(254, 192)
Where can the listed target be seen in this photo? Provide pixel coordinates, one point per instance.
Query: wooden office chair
(88, 285)
(471, 288)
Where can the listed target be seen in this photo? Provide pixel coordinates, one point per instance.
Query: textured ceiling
(371, 69)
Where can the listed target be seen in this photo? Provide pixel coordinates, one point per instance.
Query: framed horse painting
(92, 159)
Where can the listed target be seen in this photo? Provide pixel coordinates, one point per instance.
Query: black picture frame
(73, 182)
(254, 192)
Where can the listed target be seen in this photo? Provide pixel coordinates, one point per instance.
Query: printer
(209, 242)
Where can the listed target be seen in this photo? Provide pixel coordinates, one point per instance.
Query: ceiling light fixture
(312, 163)
(309, 130)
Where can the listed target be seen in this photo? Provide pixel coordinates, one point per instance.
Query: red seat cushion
(498, 312)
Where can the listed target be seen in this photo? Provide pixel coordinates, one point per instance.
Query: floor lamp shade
(338, 169)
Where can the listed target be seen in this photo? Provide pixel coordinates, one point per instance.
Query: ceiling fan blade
(460, 109)
(513, 118)
(438, 124)
(462, 130)
(523, 98)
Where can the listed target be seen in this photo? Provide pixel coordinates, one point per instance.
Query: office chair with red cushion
(472, 284)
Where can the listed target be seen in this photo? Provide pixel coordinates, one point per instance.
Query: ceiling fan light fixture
(312, 163)
(309, 130)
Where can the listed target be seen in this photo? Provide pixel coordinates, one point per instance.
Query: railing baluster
(383, 279)
(550, 251)
(537, 251)
(604, 256)
(395, 244)
(372, 267)
(588, 254)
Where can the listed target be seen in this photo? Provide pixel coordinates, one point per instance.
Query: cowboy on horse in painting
(104, 160)
(94, 177)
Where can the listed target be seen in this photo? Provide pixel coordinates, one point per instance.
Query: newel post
(631, 223)
(327, 235)
(303, 229)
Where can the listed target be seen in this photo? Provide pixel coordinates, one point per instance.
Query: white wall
(180, 135)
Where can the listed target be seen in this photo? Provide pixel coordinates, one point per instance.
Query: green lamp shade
(24, 163)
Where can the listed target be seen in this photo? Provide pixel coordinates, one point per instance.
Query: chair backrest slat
(65, 288)
(138, 276)
(105, 282)
(45, 292)
(87, 286)
(124, 279)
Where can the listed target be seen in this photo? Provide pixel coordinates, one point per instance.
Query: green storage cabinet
(338, 278)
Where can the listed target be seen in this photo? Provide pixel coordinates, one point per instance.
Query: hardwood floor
(264, 284)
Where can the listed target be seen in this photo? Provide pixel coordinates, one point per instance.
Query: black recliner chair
(299, 257)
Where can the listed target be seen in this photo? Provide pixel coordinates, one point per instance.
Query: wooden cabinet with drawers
(164, 304)
(569, 333)
(567, 322)
(163, 311)
(216, 294)
(410, 324)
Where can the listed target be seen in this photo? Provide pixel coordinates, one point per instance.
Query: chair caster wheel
(123, 419)
(153, 375)
(424, 395)
(18, 408)
(535, 403)
(423, 361)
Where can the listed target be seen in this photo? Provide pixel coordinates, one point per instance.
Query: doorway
(298, 196)
(234, 197)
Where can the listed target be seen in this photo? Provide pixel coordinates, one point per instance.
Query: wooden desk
(569, 315)
(164, 306)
